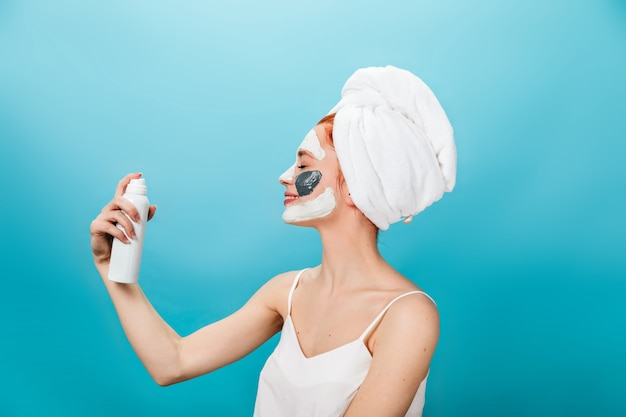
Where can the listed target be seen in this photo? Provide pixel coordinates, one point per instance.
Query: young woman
(357, 337)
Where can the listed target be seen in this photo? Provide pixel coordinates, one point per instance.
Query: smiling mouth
(289, 198)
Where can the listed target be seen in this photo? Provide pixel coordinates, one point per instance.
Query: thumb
(151, 211)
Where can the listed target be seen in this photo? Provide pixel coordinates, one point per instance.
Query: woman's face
(311, 182)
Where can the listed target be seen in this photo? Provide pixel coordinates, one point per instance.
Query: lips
(290, 198)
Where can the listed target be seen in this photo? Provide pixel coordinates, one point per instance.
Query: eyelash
(301, 166)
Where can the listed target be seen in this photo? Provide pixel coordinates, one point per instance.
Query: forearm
(154, 341)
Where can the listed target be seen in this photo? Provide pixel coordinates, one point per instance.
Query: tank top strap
(382, 313)
(293, 288)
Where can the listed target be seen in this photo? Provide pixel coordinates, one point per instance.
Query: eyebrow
(302, 152)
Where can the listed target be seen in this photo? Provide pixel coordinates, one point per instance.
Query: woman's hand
(103, 228)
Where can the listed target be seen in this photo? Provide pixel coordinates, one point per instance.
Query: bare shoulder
(414, 305)
(275, 291)
(413, 309)
(412, 319)
(279, 281)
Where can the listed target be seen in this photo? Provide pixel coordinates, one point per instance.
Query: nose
(286, 177)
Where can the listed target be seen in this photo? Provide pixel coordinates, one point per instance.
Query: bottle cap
(137, 186)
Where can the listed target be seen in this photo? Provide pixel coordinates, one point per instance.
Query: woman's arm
(402, 347)
(168, 357)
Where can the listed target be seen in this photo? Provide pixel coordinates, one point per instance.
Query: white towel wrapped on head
(394, 143)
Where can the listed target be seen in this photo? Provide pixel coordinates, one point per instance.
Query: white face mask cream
(288, 175)
(311, 143)
(320, 206)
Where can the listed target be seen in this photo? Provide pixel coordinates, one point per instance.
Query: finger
(121, 219)
(116, 232)
(121, 203)
(151, 211)
(101, 227)
(121, 186)
(117, 216)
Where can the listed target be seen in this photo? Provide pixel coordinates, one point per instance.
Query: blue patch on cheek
(307, 181)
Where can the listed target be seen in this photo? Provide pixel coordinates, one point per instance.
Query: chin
(302, 213)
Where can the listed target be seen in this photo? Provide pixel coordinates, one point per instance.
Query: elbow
(166, 377)
(166, 371)
(165, 380)
(170, 371)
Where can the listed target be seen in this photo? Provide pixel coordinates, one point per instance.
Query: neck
(350, 253)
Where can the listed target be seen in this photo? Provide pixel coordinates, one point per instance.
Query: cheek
(307, 181)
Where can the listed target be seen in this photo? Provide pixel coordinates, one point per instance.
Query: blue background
(526, 258)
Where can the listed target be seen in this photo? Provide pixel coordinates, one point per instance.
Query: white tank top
(293, 385)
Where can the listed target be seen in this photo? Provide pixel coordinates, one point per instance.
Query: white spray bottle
(126, 257)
